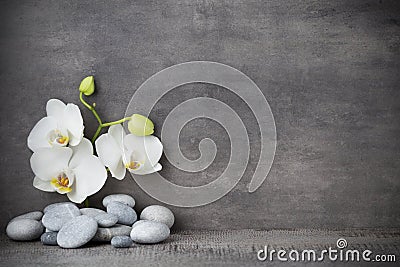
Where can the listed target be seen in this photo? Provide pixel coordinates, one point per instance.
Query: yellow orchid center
(55, 137)
(62, 140)
(61, 183)
(133, 165)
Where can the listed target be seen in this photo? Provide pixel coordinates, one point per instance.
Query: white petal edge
(55, 108)
(46, 163)
(73, 122)
(75, 196)
(74, 140)
(84, 149)
(90, 177)
(148, 170)
(110, 154)
(118, 133)
(38, 136)
(43, 185)
(150, 146)
(118, 171)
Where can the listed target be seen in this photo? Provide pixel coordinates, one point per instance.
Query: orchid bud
(140, 125)
(87, 86)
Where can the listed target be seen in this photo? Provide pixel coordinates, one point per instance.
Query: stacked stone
(67, 226)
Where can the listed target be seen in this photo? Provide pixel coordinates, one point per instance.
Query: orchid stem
(97, 133)
(101, 124)
(107, 124)
(90, 107)
(99, 128)
(115, 122)
(87, 202)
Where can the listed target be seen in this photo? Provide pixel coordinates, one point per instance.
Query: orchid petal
(147, 169)
(149, 147)
(118, 133)
(90, 176)
(110, 154)
(76, 197)
(80, 151)
(118, 171)
(38, 136)
(73, 121)
(43, 185)
(55, 108)
(46, 163)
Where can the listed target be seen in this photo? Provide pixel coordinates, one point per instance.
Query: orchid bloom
(73, 171)
(138, 154)
(63, 125)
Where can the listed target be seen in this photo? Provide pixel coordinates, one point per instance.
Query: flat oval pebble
(24, 230)
(49, 238)
(121, 241)
(158, 213)
(33, 215)
(106, 220)
(123, 198)
(56, 217)
(92, 212)
(149, 232)
(126, 215)
(77, 232)
(106, 234)
(55, 205)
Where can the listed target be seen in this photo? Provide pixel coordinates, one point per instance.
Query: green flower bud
(140, 125)
(87, 86)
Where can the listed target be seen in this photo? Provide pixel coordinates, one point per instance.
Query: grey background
(329, 69)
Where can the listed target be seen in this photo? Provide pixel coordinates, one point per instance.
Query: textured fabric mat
(205, 248)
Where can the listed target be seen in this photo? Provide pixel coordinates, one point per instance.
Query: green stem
(90, 107)
(102, 125)
(99, 128)
(97, 133)
(115, 122)
(87, 202)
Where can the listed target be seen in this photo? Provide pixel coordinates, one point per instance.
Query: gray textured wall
(329, 69)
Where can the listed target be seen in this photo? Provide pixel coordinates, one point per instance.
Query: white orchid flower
(73, 171)
(138, 154)
(62, 126)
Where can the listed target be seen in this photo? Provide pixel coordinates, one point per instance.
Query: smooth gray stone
(123, 198)
(49, 238)
(126, 215)
(24, 230)
(77, 232)
(149, 232)
(92, 212)
(106, 234)
(106, 220)
(55, 205)
(33, 215)
(56, 217)
(158, 213)
(121, 241)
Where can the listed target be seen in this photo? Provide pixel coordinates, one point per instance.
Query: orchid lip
(62, 183)
(134, 165)
(56, 138)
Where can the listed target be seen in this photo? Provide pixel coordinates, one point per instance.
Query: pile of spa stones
(67, 226)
